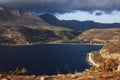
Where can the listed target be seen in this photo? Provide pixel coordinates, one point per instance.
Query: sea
(47, 59)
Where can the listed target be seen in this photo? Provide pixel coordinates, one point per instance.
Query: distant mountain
(21, 28)
(74, 24)
(51, 19)
(8, 14)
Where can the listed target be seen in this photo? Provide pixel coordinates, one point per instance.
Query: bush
(17, 71)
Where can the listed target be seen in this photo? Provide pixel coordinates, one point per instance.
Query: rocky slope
(21, 28)
(101, 36)
(110, 51)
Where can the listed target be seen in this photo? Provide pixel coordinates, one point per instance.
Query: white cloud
(83, 16)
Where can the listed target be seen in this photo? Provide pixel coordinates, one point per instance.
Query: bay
(46, 59)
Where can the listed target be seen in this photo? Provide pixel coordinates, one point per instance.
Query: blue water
(46, 59)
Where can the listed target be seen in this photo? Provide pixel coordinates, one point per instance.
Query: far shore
(38, 43)
(84, 43)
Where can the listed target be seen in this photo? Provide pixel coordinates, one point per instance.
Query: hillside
(110, 51)
(101, 36)
(21, 28)
(76, 25)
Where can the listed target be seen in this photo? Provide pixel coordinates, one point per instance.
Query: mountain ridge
(30, 29)
(76, 25)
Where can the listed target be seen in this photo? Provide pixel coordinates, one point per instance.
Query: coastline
(39, 43)
(91, 61)
(73, 43)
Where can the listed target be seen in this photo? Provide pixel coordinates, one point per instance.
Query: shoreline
(38, 43)
(91, 61)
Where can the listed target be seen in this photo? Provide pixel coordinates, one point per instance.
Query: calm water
(46, 59)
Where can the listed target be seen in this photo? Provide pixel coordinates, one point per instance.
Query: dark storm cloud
(62, 5)
(98, 13)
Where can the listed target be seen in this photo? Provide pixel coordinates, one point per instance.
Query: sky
(96, 16)
(103, 11)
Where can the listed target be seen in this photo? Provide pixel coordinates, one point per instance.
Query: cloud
(62, 6)
(86, 16)
(98, 13)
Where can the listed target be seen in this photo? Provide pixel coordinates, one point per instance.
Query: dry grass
(97, 57)
(17, 71)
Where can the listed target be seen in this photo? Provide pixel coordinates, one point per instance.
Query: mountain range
(19, 28)
(22, 28)
(76, 25)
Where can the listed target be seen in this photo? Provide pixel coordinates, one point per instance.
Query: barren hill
(21, 28)
(98, 35)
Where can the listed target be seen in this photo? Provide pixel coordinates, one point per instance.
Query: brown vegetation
(109, 65)
(17, 71)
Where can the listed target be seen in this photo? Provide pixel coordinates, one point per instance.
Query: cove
(46, 59)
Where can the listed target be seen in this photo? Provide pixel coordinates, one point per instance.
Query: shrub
(17, 71)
